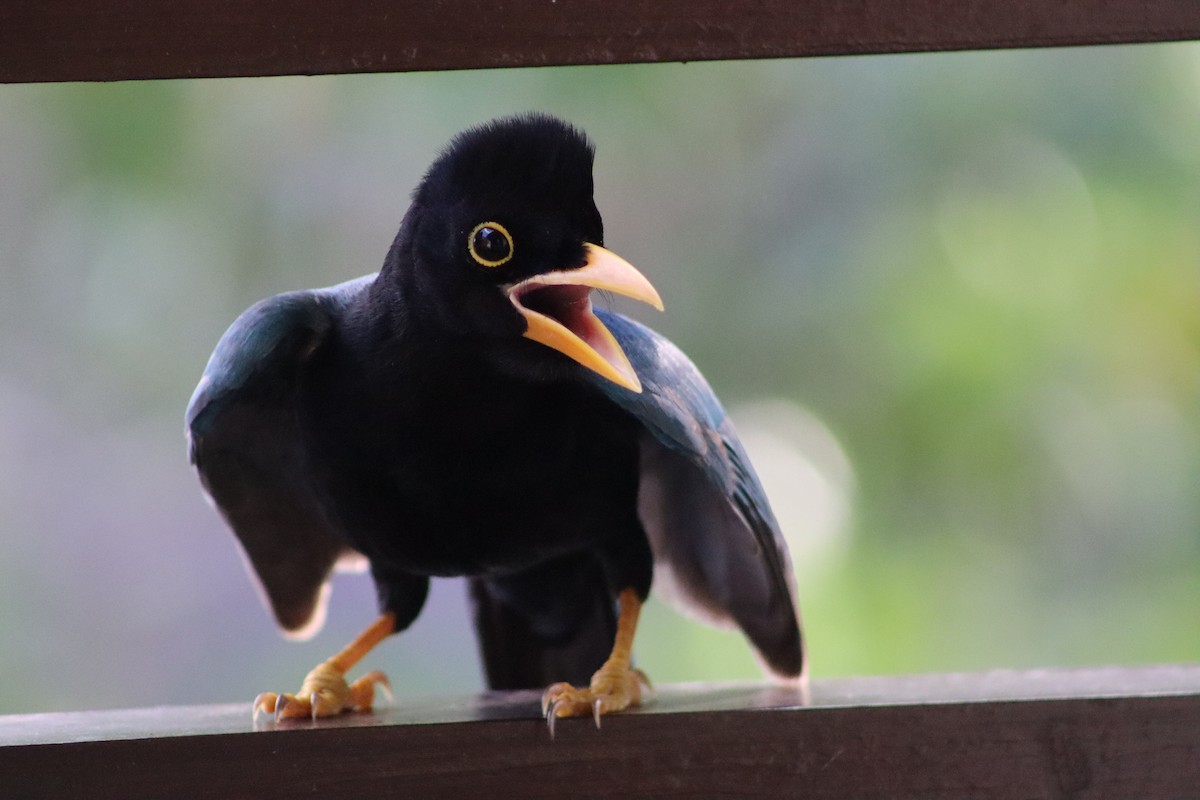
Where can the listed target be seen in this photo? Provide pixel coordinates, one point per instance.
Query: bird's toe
(324, 693)
(362, 691)
(613, 688)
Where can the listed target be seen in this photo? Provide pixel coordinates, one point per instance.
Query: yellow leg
(325, 691)
(615, 686)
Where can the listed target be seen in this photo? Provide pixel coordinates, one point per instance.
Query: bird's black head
(503, 242)
(533, 174)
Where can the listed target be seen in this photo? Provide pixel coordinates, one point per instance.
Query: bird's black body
(405, 418)
(439, 481)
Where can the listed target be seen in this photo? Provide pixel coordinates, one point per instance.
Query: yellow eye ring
(490, 244)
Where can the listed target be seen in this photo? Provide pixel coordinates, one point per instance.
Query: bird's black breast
(435, 462)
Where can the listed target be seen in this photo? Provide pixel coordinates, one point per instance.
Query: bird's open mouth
(557, 308)
(569, 305)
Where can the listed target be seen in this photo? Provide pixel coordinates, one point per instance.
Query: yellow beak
(557, 307)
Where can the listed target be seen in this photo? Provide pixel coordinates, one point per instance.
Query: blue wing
(243, 438)
(716, 544)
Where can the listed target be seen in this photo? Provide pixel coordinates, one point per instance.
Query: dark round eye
(490, 244)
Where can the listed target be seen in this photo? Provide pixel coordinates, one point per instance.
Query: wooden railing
(1095, 733)
(60, 40)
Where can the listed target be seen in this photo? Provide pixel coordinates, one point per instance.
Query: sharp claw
(551, 696)
(261, 704)
(386, 686)
(313, 699)
(597, 710)
(281, 703)
(550, 717)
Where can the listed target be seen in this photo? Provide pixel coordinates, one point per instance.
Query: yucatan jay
(466, 411)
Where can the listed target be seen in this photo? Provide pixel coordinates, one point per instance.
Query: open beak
(557, 307)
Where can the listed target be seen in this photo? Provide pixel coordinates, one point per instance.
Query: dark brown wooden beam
(102, 40)
(1076, 734)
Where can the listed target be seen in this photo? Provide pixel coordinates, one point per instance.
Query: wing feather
(717, 546)
(244, 438)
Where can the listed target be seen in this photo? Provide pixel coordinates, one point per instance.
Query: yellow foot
(323, 694)
(613, 688)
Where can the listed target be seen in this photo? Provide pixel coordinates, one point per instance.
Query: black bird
(466, 411)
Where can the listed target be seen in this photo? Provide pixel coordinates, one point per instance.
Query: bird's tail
(553, 623)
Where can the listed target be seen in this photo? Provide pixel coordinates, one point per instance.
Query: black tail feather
(554, 623)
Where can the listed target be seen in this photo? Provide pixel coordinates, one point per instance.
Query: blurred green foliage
(969, 280)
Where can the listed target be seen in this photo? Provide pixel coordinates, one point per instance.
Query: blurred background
(952, 301)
